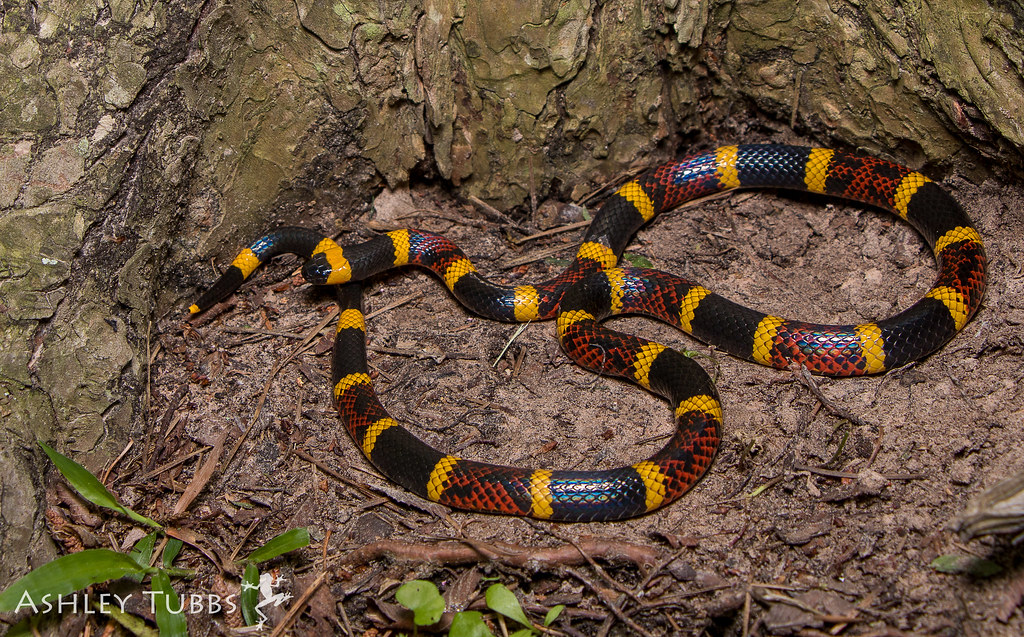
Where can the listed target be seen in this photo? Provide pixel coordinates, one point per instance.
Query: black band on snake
(593, 288)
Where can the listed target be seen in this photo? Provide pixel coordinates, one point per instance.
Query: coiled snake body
(593, 288)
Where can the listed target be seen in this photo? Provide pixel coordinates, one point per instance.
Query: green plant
(966, 565)
(43, 587)
(279, 545)
(427, 605)
(637, 260)
(77, 571)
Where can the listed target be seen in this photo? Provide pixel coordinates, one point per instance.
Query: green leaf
(27, 627)
(966, 565)
(637, 260)
(250, 594)
(469, 624)
(171, 550)
(132, 623)
(423, 599)
(523, 632)
(142, 552)
(287, 541)
(91, 488)
(501, 600)
(68, 574)
(553, 614)
(168, 607)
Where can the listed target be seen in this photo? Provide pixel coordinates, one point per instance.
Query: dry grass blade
(552, 231)
(201, 477)
(536, 255)
(192, 539)
(494, 213)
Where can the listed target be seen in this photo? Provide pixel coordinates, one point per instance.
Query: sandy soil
(775, 540)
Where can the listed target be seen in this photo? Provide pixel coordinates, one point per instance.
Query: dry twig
(298, 606)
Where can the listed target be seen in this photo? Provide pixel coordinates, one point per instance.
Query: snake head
(317, 269)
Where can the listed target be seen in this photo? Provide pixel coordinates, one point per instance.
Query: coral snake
(593, 288)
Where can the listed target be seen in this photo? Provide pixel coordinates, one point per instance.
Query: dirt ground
(807, 523)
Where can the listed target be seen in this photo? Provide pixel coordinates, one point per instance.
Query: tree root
(468, 551)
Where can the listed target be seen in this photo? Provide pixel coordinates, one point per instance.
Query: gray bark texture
(139, 140)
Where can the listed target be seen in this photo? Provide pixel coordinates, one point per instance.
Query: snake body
(593, 288)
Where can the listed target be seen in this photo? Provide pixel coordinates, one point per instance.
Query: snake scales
(593, 288)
